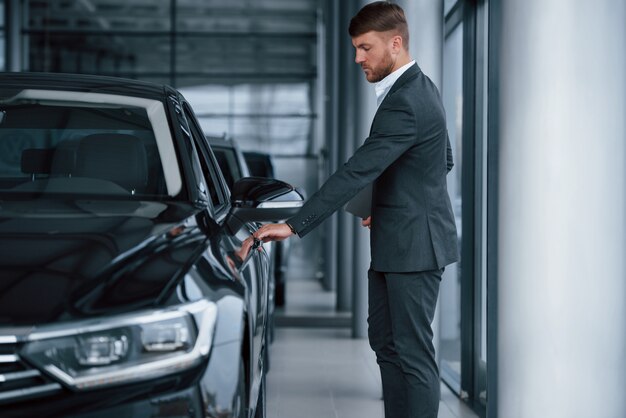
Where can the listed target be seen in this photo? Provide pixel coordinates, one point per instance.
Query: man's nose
(359, 58)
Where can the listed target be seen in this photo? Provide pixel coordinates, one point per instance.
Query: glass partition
(249, 69)
(274, 118)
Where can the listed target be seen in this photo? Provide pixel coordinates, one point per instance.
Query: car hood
(70, 259)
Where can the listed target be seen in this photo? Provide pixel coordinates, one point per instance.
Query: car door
(254, 269)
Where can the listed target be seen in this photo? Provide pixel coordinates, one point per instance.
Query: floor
(324, 373)
(318, 371)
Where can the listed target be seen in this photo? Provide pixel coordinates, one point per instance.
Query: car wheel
(260, 403)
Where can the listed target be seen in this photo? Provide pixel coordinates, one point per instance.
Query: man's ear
(396, 43)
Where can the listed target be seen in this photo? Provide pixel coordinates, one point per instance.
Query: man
(413, 234)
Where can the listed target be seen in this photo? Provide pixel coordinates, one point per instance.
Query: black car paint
(63, 259)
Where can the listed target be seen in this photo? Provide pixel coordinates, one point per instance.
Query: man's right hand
(273, 232)
(367, 222)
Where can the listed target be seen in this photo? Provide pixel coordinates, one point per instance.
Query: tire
(260, 403)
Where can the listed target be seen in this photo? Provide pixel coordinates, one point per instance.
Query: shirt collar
(384, 85)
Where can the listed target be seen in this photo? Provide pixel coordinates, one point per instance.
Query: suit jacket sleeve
(394, 131)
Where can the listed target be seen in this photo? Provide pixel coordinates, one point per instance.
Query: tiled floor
(321, 372)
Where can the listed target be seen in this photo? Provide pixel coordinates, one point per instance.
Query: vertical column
(561, 331)
(362, 259)
(331, 96)
(365, 108)
(13, 16)
(346, 123)
(173, 43)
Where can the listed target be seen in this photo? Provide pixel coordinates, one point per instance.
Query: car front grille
(18, 380)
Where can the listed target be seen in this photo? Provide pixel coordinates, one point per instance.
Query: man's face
(376, 53)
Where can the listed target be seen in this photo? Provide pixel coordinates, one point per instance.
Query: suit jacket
(407, 156)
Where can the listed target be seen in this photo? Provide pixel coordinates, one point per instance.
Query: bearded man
(413, 234)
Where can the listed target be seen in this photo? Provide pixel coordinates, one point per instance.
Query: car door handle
(243, 256)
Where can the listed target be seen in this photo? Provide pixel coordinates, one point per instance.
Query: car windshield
(69, 147)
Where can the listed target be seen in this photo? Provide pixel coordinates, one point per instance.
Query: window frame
(214, 177)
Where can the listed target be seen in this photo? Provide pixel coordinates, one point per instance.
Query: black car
(127, 285)
(230, 159)
(260, 165)
(233, 166)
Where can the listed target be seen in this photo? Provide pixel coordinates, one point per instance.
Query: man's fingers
(273, 232)
(260, 233)
(263, 234)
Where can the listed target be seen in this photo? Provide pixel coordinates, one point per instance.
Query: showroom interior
(531, 322)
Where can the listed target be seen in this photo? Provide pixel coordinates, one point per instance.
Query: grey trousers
(401, 310)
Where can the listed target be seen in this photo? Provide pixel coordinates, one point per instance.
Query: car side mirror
(260, 199)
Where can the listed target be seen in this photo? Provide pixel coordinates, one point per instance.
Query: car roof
(220, 142)
(258, 154)
(11, 83)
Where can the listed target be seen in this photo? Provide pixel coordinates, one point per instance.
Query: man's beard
(382, 71)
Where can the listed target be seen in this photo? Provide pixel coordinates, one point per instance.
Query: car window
(227, 160)
(260, 165)
(77, 148)
(218, 195)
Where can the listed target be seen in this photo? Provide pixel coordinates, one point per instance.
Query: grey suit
(406, 157)
(413, 235)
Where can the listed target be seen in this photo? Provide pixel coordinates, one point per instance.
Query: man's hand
(247, 245)
(367, 222)
(273, 232)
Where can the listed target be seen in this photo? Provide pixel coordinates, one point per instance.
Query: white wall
(562, 210)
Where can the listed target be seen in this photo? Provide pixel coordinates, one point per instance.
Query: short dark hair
(380, 16)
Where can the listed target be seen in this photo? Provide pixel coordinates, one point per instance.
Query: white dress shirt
(384, 85)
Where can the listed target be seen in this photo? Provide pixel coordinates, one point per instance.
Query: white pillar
(561, 270)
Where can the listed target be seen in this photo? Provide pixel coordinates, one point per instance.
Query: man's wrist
(293, 230)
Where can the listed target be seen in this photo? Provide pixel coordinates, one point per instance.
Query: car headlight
(125, 348)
